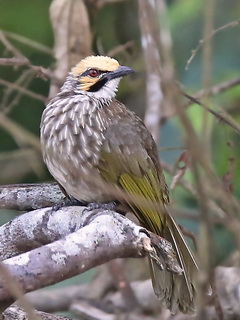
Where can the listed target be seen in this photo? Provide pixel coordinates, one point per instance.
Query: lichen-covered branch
(14, 312)
(108, 236)
(30, 196)
(37, 228)
(100, 237)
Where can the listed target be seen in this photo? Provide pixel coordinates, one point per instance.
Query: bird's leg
(68, 202)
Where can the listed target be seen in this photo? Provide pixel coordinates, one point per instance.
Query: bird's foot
(104, 206)
(67, 203)
(93, 210)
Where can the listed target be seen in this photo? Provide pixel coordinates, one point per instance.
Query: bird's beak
(121, 71)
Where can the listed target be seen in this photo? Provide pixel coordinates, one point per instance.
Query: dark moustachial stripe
(97, 86)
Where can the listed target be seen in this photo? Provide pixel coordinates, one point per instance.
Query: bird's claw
(104, 206)
(67, 203)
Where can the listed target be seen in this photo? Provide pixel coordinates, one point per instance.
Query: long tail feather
(176, 291)
(185, 256)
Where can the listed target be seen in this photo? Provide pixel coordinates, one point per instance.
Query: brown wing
(129, 158)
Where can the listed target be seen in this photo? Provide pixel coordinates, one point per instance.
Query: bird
(90, 140)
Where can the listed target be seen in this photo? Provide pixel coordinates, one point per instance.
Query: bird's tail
(177, 291)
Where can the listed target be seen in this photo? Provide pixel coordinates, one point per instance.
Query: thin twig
(14, 61)
(216, 89)
(9, 46)
(117, 271)
(219, 88)
(102, 3)
(20, 134)
(201, 42)
(206, 130)
(28, 42)
(113, 52)
(221, 117)
(179, 148)
(24, 80)
(23, 61)
(23, 90)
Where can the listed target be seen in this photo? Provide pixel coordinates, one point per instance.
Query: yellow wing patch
(146, 188)
(145, 184)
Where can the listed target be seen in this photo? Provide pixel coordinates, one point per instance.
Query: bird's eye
(94, 73)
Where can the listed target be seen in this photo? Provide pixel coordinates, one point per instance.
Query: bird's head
(98, 76)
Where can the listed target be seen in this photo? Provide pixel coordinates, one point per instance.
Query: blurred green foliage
(115, 24)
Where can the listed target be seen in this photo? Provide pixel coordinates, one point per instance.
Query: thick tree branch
(14, 312)
(61, 299)
(30, 196)
(37, 228)
(88, 311)
(155, 108)
(107, 236)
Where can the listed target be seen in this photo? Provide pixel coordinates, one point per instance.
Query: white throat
(107, 92)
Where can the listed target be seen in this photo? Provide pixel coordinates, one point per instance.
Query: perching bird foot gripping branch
(38, 249)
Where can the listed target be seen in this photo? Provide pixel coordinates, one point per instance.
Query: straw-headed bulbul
(91, 141)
